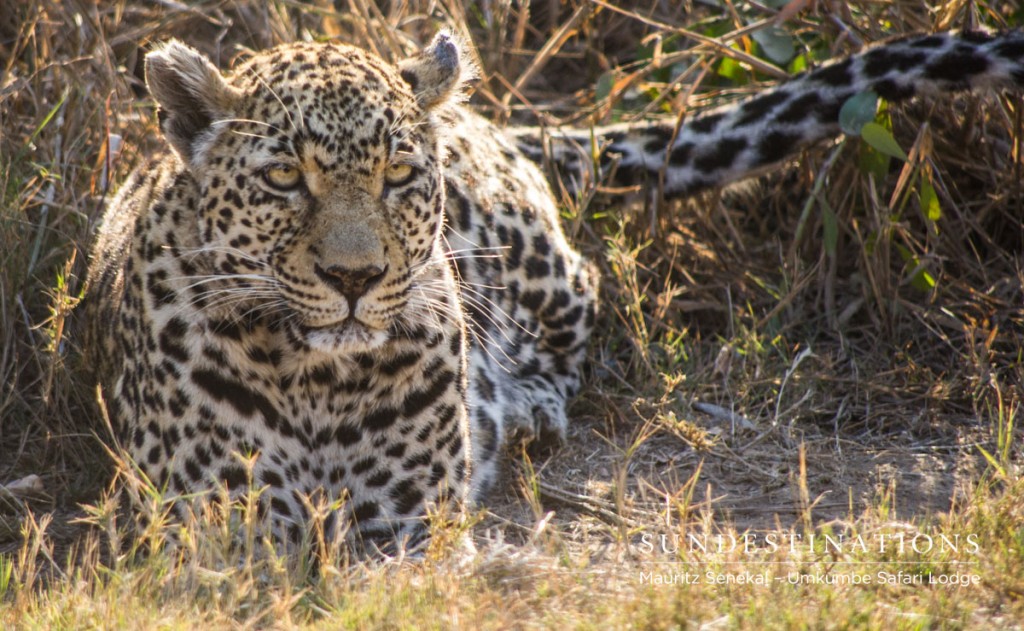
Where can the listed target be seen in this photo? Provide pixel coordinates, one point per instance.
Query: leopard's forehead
(333, 92)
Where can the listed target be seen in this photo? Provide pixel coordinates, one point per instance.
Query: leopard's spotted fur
(717, 147)
(341, 270)
(318, 322)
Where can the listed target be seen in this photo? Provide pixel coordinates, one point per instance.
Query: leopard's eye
(399, 174)
(283, 177)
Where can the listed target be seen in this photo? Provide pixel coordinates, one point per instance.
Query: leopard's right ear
(440, 72)
(191, 93)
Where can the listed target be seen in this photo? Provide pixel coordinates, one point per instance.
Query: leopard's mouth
(348, 323)
(348, 335)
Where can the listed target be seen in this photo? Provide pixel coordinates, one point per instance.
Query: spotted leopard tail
(726, 144)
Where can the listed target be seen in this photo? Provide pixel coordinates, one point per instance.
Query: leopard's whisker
(477, 328)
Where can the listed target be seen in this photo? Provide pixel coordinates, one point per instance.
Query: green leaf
(993, 462)
(920, 279)
(873, 163)
(732, 70)
(881, 139)
(49, 117)
(857, 111)
(778, 45)
(929, 200)
(604, 86)
(798, 65)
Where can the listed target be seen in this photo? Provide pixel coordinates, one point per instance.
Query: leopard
(337, 282)
(284, 293)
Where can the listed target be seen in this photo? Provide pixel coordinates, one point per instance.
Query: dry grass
(748, 375)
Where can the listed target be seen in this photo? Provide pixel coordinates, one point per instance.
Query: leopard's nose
(351, 283)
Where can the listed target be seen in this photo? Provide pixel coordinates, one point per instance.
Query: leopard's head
(319, 176)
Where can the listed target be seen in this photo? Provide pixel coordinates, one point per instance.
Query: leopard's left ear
(439, 72)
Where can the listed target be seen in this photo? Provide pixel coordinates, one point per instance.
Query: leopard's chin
(350, 336)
